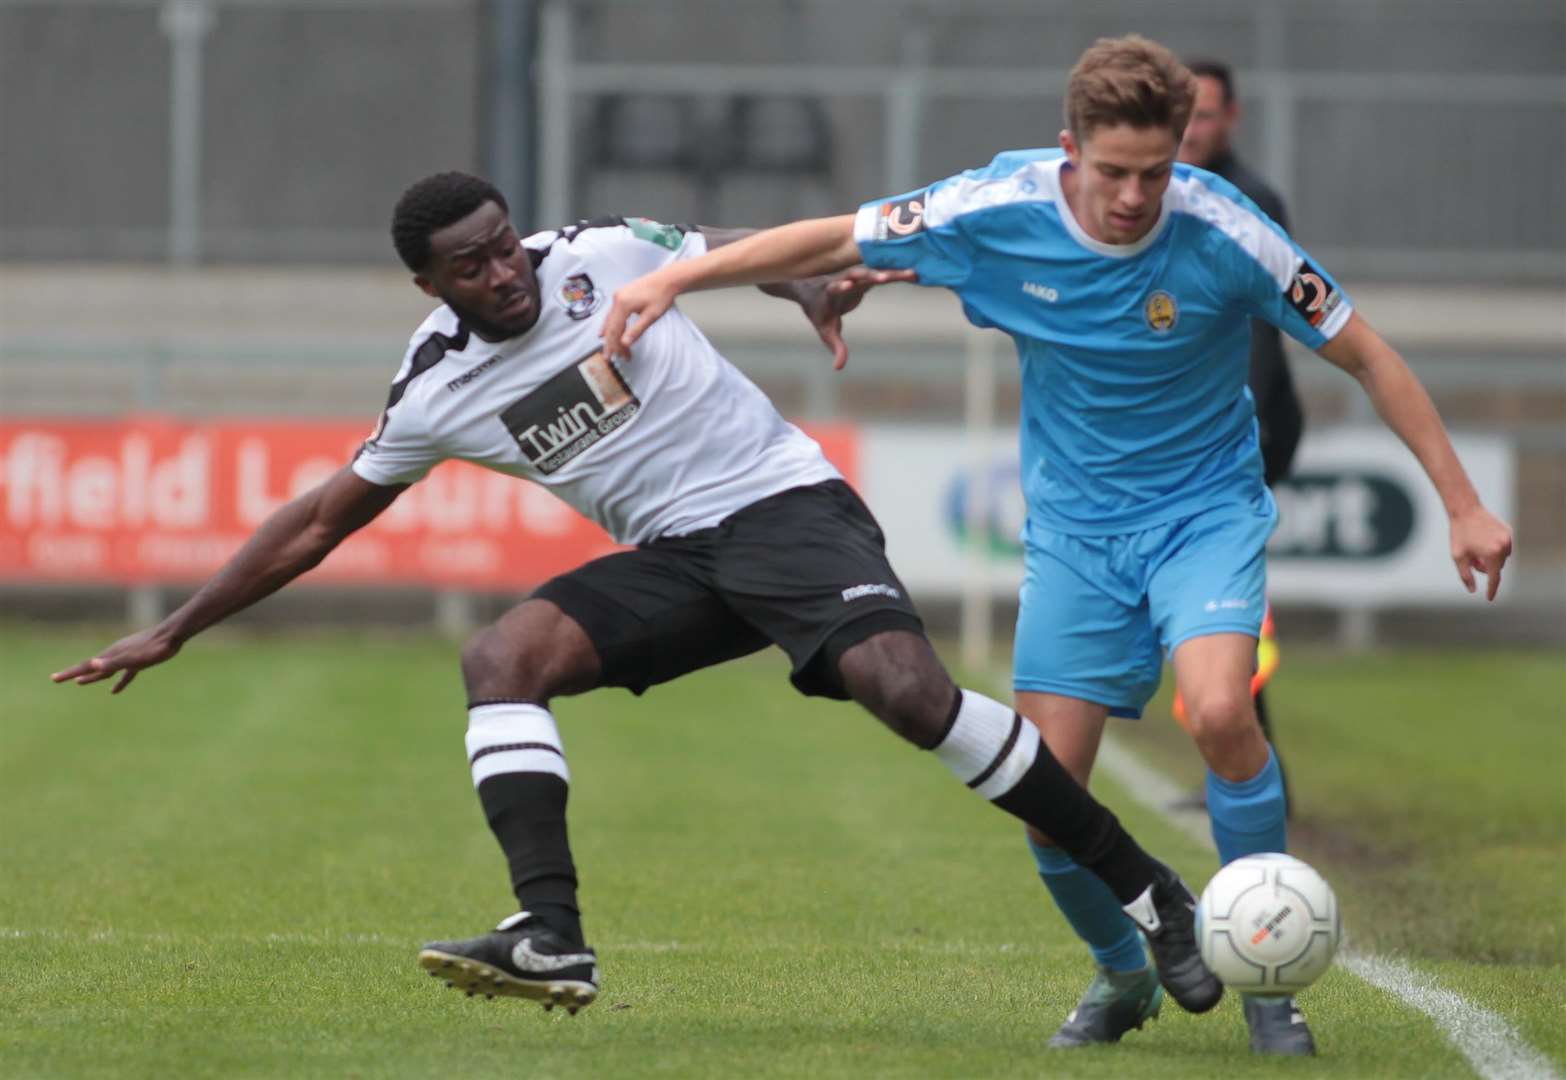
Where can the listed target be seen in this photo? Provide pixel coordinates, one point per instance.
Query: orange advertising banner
(146, 500)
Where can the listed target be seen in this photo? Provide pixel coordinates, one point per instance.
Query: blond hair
(1129, 80)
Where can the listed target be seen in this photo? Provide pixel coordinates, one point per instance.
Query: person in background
(1209, 144)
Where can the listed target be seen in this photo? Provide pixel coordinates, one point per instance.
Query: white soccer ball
(1268, 924)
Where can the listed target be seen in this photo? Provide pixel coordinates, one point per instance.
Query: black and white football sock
(1000, 755)
(519, 769)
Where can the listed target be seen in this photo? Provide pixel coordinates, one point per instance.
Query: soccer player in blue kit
(1128, 282)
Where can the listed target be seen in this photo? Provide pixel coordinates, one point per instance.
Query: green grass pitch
(227, 871)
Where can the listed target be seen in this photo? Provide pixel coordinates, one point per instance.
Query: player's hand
(646, 298)
(826, 302)
(124, 658)
(1480, 541)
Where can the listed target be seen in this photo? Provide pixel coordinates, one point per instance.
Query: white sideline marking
(1154, 790)
(1491, 1044)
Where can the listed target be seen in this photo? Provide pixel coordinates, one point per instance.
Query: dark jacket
(1278, 410)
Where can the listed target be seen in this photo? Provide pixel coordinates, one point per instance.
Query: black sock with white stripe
(1000, 755)
(520, 772)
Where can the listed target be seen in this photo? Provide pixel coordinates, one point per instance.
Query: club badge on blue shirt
(1161, 312)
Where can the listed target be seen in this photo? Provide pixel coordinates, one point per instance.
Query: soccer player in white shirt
(742, 533)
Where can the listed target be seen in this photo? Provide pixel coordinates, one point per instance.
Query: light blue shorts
(1100, 613)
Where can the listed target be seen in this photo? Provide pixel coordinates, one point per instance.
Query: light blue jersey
(1135, 410)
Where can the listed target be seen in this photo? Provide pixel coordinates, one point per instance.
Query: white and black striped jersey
(672, 441)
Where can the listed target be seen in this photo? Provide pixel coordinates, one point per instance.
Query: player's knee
(496, 664)
(910, 709)
(1220, 710)
(1221, 720)
(484, 663)
(898, 678)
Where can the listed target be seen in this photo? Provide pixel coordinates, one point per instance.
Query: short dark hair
(1129, 80)
(433, 203)
(1215, 69)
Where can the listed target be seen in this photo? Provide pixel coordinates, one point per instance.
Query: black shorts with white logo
(804, 569)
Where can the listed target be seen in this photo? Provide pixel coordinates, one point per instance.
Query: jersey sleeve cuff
(864, 222)
(871, 237)
(370, 471)
(1336, 321)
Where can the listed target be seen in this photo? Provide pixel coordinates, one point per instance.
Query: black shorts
(804, 569)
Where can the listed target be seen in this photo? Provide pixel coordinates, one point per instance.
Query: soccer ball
(1268, 924)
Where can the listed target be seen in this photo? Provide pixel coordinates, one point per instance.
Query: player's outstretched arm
(1480, 540)
(826, 298)
(295, 538)
(800, 250)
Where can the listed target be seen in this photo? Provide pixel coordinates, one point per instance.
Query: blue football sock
(1248, 816)
(1091, 909)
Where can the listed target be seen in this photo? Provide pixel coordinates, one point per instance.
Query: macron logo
(1040, 292)
(472, 373)
(859, 591)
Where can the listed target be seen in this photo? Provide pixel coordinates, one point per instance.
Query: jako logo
(870, 590)
(1226, 605)
(1042, 292)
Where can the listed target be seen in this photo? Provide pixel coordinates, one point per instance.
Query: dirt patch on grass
(1338, 844)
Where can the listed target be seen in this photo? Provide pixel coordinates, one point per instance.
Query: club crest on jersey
(1161, 312)
(578, 295)
(901, 218)
(571, 413)
(1312, 295)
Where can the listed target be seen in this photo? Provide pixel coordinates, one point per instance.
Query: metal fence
(1409, 161)
(1415, 139)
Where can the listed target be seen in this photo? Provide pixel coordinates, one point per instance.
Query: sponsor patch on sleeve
(665, 236)
(1312, 295)
(904, 217)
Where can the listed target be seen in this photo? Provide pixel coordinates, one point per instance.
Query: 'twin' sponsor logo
(1270, 927)
(870, 590)
(472, 373)
(571, 413)
(1042, 292)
